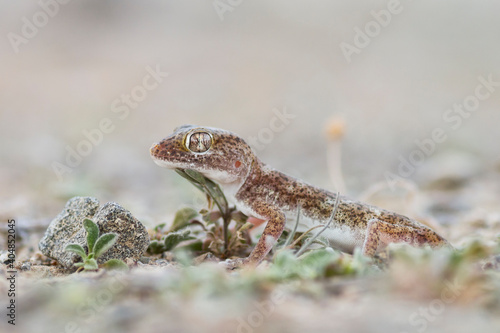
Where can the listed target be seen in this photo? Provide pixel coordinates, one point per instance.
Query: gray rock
(133, 238)
(132, 241)
(65, 226)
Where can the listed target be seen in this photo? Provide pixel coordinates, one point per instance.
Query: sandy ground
(242, 69)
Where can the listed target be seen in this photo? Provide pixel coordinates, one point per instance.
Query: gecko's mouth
(163, 163)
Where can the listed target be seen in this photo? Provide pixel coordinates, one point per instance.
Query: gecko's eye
(199, 142)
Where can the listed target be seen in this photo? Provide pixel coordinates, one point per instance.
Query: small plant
(169, 242)
(288, 244)
(223, 242)
(96, 247)
(213, 193)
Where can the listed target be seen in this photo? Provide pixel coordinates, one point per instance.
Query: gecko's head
(217, 154)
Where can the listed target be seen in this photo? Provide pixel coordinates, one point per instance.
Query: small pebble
(161, 262)
(145, 260)
(26, 266)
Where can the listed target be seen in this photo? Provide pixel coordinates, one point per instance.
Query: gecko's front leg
(379, 234)
(273, 230)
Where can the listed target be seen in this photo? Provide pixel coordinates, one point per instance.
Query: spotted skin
(265, 193)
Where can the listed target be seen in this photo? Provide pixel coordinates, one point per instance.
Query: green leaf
(284, 259)
(174, 238)
(79, 264)
(214, 193)
(90, 265)
(318, 258)
(191, 247)
(117, 264)
(184, 258)
(182, 218)
(92, 233)
(159, 227)
(104, 243)
(156, 247)
(239, 217)
(217, 195)
(196, 176)
(207, 186)
(183, 173)
(76, 248)
(212, 217)
(316, 263)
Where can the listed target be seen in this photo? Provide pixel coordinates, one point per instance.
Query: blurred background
(235, 65)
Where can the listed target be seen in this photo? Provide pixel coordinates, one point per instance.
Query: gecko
(259, 191)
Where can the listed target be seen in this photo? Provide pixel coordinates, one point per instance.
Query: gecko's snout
(155, 148)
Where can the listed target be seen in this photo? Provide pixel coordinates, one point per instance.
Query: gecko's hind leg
(379, 234)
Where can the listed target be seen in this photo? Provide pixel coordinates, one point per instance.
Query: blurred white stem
(334, 161)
